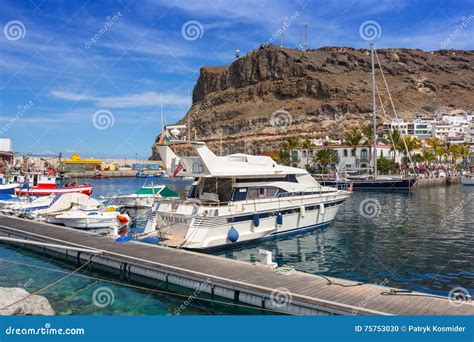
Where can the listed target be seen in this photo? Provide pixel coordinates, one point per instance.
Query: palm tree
(394, 139)
(324, 157)
(436, 146)
(427, 157)
(408, 144)
(281, 157)
(452, 152)
(353, 138)
(309, 147)
(291, 144)
(464, 152)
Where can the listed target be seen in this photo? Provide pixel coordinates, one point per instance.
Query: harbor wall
(432, 181)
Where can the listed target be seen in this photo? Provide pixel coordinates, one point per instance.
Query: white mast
(374, 108)
(162, 117)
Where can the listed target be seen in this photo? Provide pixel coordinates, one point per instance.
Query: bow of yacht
(238, 198)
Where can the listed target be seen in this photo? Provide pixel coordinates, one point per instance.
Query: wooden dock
(243, 282)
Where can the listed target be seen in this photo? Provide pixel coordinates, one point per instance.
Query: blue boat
(8, 189)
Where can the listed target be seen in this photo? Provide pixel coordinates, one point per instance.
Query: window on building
(363, 154)
(344, 153)
(353, 153)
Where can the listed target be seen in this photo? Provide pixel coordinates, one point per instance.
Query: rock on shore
(34, 305)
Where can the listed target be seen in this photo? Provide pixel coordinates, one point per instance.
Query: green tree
(309, 147)
(393, 139)
(281, 157)
(385, 165)
(354, 139)
(464, 152)
(324, 157)
(291, 144)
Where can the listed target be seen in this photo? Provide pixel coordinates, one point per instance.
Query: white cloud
(146, 99)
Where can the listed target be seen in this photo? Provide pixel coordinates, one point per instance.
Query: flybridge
(207, 164)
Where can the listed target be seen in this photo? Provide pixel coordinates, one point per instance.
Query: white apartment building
(457, 130)
(420, 127)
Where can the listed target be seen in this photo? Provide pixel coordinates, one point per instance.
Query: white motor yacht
(239, 198)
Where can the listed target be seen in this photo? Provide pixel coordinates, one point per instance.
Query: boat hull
(468, 181)
(374, 185)
(88, 223)
(213, 232)
(85, 189)
(8, 189)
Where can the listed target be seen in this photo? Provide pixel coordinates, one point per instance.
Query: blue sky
(90, 76)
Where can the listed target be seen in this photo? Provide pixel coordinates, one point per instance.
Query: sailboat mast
(374, 108)
(161, 110)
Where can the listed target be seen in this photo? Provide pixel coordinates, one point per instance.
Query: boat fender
(321, 209)
(256, 219)
(279, 218)
(154, 240)
(233, 234)
(302, 211)
(122, 239)
(122, 219)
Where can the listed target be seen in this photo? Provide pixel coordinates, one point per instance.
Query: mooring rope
(50, 285)
(137, 287)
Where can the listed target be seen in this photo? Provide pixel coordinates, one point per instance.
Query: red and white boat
(45, 185)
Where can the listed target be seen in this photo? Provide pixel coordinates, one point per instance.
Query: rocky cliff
(273, 93)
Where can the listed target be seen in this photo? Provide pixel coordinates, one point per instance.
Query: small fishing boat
(6, 200)
(45, 185)
(467, 179)
(29, 205)
(66, 202)
(145, 196)
(141, 174)
(8, 189)
(93, 219)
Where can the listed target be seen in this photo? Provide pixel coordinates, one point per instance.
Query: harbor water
(423, 241)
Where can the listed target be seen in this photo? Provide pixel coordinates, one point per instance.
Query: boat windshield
(212, 189)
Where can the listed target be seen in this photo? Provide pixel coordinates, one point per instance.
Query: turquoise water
(422, 242)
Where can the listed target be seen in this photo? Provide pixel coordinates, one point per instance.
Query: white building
(420, 127)
(347, 158)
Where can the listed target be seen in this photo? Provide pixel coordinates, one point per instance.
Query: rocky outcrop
(33, 305)
(272, 93)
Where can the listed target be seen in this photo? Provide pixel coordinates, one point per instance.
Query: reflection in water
(407, 243)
